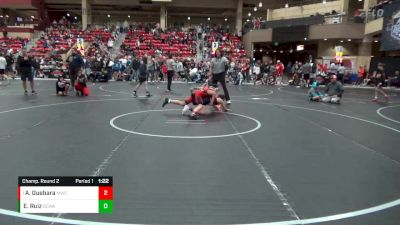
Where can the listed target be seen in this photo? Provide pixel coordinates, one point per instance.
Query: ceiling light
(255, 9)
(286, 5)
(324, 2)
(247, 20)
(33, 17)
(226, 19)
(341, 41)
(208, 18)
(68, 14)
(108, 15)
(188, 17)
(260, 4)
(376, 41)
(75, 17)
(325, 39)
(305, 38)
(348, 39)
(249, 14)
(129, 16)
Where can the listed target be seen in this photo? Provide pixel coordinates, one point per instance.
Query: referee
(218, 70)
(171, 71)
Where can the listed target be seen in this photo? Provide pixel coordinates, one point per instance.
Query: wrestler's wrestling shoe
(186, 109)
(194, 116)
(166, 101)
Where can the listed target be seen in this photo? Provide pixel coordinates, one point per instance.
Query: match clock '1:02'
(104, 181)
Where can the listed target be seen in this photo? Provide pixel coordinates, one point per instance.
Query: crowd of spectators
(190, 49)
(151, 40)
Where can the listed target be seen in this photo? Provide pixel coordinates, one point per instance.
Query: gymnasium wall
(305, 10)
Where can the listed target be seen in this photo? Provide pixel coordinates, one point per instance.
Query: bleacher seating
(15, 44)
(179, 44)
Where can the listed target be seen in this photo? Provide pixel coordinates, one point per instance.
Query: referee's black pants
(170, 75)
(220, 77)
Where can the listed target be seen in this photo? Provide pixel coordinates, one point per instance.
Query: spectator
(142, 78)
(81, 85)
(135, 68)
(360, 75)
(62, 86)
(194, 75)
(394, 80)
(117, 70)
(314, 94)
(332, 69)
(164, 70)
(288, 69)
(75, 67)
(25, 70)
(179, 70)
(10, 65)
(340, 72)
(3, 65)
(279, 68)
(110, 44)
(307, 70)
(170, 71)
(333, 91)
(379, 80)
(257, 72)
(150, 69)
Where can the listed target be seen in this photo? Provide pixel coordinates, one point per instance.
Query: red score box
(105, 193)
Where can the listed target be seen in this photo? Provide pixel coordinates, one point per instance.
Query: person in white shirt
(194, 74)
(179, 69)
(124, 61)
(3, 64)
(256, 69)
(110, 44)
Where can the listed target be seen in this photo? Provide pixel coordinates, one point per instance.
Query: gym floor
(275, 159)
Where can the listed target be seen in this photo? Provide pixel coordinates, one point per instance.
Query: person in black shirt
(10, 62)
(25, 70)
(142, 74)
(75, 66)
(62, 86)
(379, 78)
(135, 68)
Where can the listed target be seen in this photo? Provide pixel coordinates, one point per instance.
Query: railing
(312, 20)
(376, 11)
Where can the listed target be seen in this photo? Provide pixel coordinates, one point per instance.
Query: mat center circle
(171, 124)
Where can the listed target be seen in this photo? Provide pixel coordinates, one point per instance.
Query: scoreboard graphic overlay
(65, 194)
